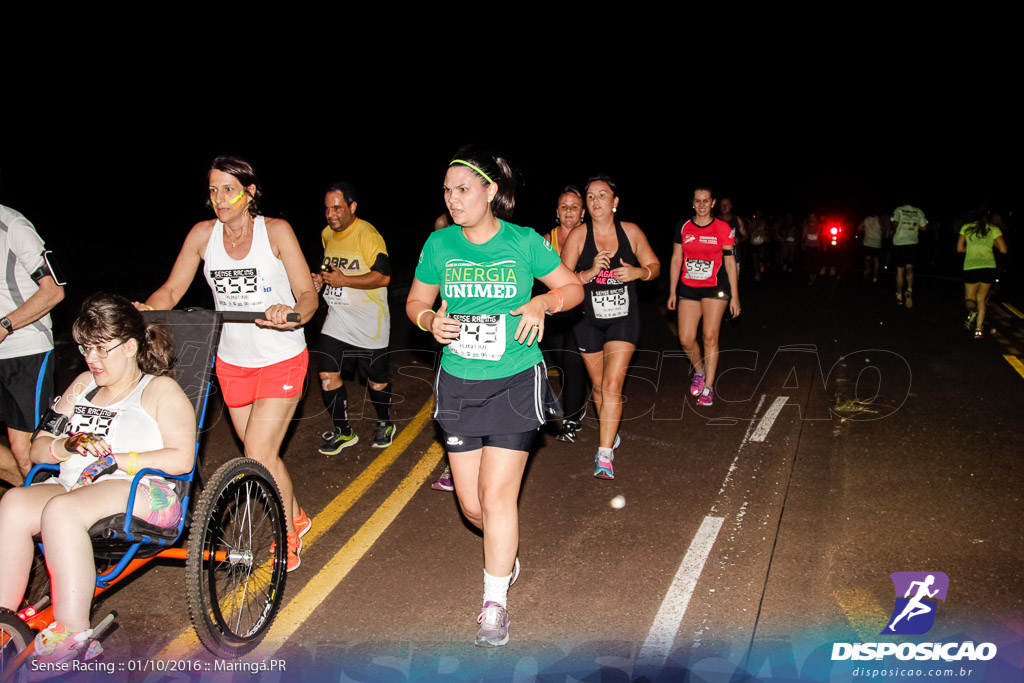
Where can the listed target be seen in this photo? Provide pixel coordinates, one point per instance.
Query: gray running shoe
(335, 441)
(384, 434)
(494, 623)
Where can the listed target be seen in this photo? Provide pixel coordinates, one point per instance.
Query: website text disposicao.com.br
(904, 673)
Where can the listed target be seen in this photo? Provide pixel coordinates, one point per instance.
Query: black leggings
(563, 353)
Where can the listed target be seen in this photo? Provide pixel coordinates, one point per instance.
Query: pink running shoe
(494, 623)
(604, 469)
(444, 482)
(55, 645)
(697, 385)
(707, 397)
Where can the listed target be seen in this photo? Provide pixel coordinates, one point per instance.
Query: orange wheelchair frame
(236, 552)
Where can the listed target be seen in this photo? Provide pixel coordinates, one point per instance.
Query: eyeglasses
(98, 350)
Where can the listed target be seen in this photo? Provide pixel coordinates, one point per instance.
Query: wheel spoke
(239, 594)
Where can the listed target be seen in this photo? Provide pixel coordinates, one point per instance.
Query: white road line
(750, 426)
(769, 419)
(662, 635)
(732, 467)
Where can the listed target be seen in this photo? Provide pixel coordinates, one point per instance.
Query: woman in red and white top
(702, 284)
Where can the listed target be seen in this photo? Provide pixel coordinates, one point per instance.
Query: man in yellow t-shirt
(355, 275)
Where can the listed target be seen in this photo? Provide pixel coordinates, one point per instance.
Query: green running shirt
(979, 249)
(482, 283)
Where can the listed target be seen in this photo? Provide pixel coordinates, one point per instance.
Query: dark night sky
(112, 170)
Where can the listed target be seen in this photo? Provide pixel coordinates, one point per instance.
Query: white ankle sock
(606, 451)
(496, 588)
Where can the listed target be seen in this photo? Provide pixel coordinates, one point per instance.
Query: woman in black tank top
(609, 257)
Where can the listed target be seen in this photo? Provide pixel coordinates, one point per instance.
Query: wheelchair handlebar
(253, 316)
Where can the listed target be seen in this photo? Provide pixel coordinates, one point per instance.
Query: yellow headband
(466, 163)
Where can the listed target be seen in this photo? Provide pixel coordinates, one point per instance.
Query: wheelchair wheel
(14, 637)
(237, 558)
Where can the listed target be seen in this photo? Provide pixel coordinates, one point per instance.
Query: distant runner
(702, 284)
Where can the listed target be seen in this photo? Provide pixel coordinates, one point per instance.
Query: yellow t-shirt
(356, 316)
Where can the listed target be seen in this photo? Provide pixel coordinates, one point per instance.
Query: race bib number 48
(610, 303)
(481, 337)
(699, 269)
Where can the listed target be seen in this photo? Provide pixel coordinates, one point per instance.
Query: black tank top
(604, 297)
(737, 237)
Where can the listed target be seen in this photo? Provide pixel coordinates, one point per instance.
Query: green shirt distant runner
(482, 283)
(979, 249)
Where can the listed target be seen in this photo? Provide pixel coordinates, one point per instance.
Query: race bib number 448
(481, 337)
(610, 303)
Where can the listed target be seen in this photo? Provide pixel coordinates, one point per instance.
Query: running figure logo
(914, 613)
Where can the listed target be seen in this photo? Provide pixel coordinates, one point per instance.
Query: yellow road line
(327, 579)
(863, 612)
(347, 498)
(1013, 310)
(1015, 363)
(187, 641)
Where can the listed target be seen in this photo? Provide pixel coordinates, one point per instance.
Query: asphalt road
(849, 439)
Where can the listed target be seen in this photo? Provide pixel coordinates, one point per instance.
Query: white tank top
(124, 425)
(254, 283)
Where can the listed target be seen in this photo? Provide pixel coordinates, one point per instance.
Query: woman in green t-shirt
(490, 390)
(977, 241)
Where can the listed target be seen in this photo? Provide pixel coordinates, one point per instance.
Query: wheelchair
(236, 549)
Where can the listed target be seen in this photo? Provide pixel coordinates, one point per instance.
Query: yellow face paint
(232, 202)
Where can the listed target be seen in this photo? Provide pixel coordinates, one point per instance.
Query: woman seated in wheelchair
(126, 413)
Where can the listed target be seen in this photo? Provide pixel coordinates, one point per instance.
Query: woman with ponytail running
(491, 387)
(609, 256)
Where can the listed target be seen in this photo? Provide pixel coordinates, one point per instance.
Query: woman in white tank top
(128, 414)
(253, 263)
